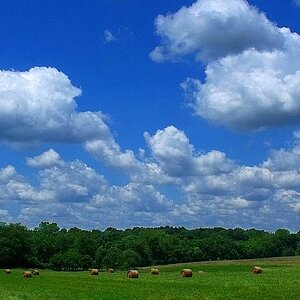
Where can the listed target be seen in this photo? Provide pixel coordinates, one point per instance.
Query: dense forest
(49, 246)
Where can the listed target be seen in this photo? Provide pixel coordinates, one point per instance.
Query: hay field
(211, 280)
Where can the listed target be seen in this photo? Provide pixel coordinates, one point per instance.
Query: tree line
(52, 247)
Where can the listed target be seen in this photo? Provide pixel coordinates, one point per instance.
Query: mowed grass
(211, 280)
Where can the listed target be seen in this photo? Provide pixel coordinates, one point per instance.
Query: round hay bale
(186, 273)
(94, 271)
(154, 271)
(111, 270)
(7, 271)
(27, 274)
(35, 272)
(257, 270)
(133, 274)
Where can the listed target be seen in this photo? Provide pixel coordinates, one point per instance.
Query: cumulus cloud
(39, 106)
(73, 193)
(137, 204)
(71, 182)
(77, 194)
(164, 185)
(210, 188)
(7, 173)
(252, 73)
(15, 187)
(218, 191)
(213, 190)
(251, 90)
(285, 159)
(49, 211)
(46, 159)
(214, 29)
(63, 182)
(140, 197)
(119, 206)
(171, 148)
(110, 152)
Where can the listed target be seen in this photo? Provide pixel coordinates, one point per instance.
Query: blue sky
(148, 113)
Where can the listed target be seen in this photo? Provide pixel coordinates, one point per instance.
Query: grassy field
(211, 280)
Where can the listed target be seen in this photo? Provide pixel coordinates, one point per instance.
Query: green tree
(112, 258)
(129, 259)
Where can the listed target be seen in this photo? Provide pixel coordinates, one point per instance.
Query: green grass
(211, 280)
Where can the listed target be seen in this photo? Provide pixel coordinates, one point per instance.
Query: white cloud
(39, 106)
(15, 187)
(136, 204)
(253, 71)
(214, 162)
(140, 197)
(77, 194)
(285, 165)
(171, 148)
(109, 37)
(138, 170)
(213, 29)
(73, 193)
(256, 177)
(110, 152)
(48, 211)
(251, 90)
(45, 160)
(71, 182)
(285, 159)
(64, 182)
(217, 192)
(177, 157)
(203, 185)
(7, 173)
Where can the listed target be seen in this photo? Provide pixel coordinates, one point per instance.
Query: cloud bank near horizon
(202, 189)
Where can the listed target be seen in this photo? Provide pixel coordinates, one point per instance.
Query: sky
(150, 113)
